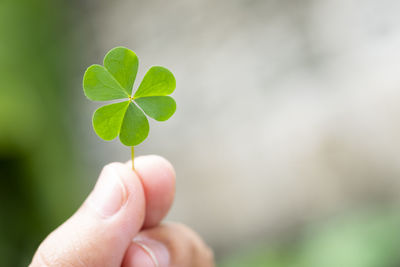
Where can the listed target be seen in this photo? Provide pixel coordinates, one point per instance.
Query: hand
(119, 224)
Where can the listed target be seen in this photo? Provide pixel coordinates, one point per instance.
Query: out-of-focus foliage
(37, 169)
(262, 256)
(364, 239)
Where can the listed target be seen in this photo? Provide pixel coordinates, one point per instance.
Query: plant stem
(133, 157)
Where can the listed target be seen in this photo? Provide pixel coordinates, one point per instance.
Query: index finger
(158, 179)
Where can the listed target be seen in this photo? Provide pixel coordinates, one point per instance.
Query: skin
(119, 224)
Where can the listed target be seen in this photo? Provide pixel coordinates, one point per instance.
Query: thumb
(100, 232)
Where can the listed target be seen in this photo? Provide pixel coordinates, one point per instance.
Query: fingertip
(131, 212)
(156, 163)
(153, 161)
(158, 178)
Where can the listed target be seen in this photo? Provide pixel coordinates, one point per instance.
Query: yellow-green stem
(133, 157)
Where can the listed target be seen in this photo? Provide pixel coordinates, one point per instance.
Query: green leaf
(135, 126)
(115, 81)
(160, 108)
(107, 120)
(158, 81)
(122, 63)
(100, 85)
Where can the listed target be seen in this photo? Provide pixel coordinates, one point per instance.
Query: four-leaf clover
(114, 81)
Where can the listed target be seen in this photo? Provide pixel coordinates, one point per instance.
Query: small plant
(114, 81)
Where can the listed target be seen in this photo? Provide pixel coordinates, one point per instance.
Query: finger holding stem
(133, 157)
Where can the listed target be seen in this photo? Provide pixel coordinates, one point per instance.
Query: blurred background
(285, 141)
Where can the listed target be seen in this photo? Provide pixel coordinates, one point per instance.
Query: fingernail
(109, 194)
(149, 253)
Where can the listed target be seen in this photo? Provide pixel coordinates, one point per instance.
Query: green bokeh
(38, 174)
(361, 239)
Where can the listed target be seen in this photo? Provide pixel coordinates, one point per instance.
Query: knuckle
(182, 229)
(185, 239)
(49, 257)
(42, 259)
(46, 259)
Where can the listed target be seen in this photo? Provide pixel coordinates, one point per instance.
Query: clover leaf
(114, 81)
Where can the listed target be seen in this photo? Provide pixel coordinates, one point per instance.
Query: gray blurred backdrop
(287, 110)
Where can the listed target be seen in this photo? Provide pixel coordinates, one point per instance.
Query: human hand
(119, 223)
